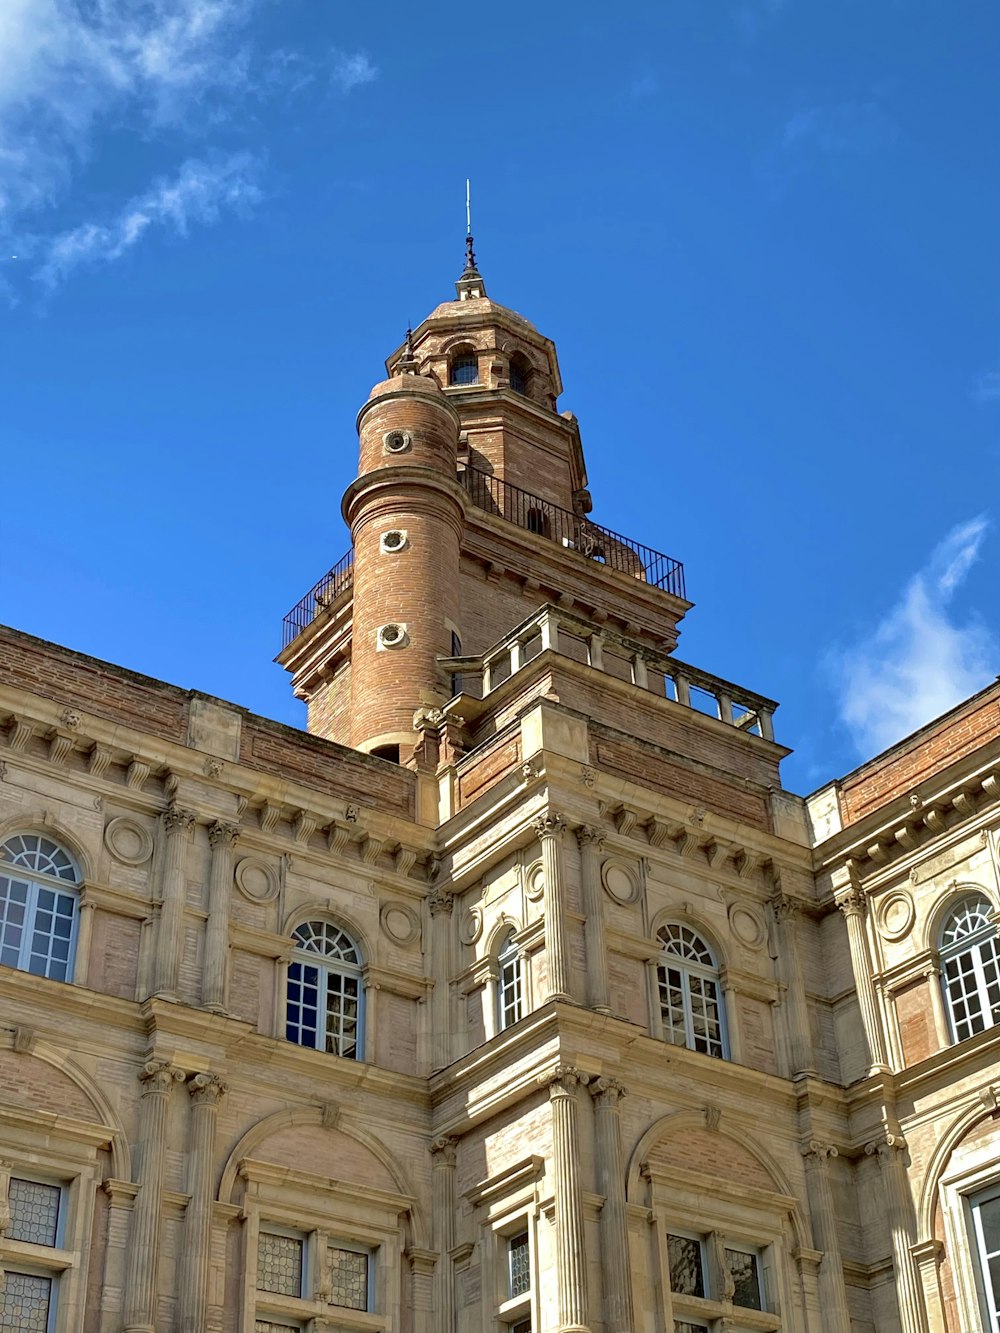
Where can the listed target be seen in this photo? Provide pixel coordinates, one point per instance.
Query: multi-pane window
(743, 1267)
(28, 1300)
(690, 993)
(34, 1212)
(510, 988)
(986, 1229)
(26, 1303)
(275, 1326)
(464, 369)
(736, 1275)
(280, 1263)
(350, 1278)
(686, 1258)
(37, 908)
(518, 1265)
(323, 1004)
(518, 375)
(970, 967)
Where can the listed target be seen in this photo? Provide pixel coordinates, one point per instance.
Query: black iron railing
(330, 586)
(573, 531)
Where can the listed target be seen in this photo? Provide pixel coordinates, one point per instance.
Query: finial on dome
(407, 363)
(470, 285)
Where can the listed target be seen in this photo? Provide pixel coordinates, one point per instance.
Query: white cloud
(351, 71)
(848, 127)
(198, 194)
(919, 661)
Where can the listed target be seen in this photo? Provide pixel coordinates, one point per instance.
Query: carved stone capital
(607, 1091)
(852, 903)
(784, 907)
(885, 1146)
(176, 820)
(562, 1080)
(549, 826)
(443, 1150)
(206, 1089)
(159, 1076)
(221, 834)
(440, 902)
(589, 835)
(816, 1153)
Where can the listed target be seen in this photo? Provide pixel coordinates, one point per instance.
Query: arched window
(510, 986)
(324, 1007)
(519, 372)
(464, 368)
(690, 993)
(970, 967)
(38, 906)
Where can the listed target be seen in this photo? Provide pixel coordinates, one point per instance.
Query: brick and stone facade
(515, 993)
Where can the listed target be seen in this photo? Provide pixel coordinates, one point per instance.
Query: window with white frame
(38, 906)
(707, 1273)
(324, 1008)
(510, 983)
(518, 1265)
(690, 992)
(514, 1284)
(30, 1290)
(970, 967)
(985, 1214)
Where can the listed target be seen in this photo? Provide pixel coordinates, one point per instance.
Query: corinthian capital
(588, 835)
(223, 835)
(549, 826)
(206, 1089)
(159, 1076)
(440, 902)
(562, 1080)
(177, 820)
(607, 1091)
(784, 907)
(852, 903)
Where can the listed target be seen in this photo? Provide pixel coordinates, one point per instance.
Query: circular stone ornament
(400, 922)
(534, 881)
(470, 927)
(895, 915)
(620, 882)
(257, 880)
(128, 841)
(747, 925)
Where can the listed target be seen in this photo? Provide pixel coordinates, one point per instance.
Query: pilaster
(550, 829)
(571, 1256)
(223, 840)
(206, 1092)
(852, 904)
(177, 826)
(443, 1222)
(832, 1290)
(786, 913)
(591, 842)
(889, 1150)
(616, 1268)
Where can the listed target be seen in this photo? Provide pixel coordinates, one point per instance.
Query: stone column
(84, 940)
(213, 986)
(941, 1030)
(571, 1254)
(157, 1078)
(786, 911)
(890, 1151)
(833, 1293)
(177, 825)
(550, 829)
(443, 1222)
(591, 842)
(853, 906)
(206, 1092)
(615, 1263)
(441, 905)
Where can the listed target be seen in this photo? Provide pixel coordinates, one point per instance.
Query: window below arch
(518, 374)
(690, 993)
(510, 983)
(39, 905)
(324, 1006)
(970, 967)
(464, 368)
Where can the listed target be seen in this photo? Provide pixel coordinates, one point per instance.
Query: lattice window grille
(34, 1212)
(519, 1262)
(349, 1278)
(279, 1264)
(25, 1303)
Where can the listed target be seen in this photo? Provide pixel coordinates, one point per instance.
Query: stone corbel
(371, 849)
(625, 820)
(19, 733)
(269, 816)
(404, 859)
(136, 775)
(304, 826)
(60, 745)
(100, 758)
(339, 837)
(718, 853)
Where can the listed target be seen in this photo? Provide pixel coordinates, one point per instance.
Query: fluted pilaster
(616, 1268)
(786, 913)
(591, 843)
(833, 1293)
(157, 1078)
(441, 903)
(223, 839)
(853, 906)
(443, 1204)
(206, 1092)
(890, 1152)
(177, 826)
(550, 829)
(571, 1254)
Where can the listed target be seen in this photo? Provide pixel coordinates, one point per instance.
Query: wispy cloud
(198, 194)
(349, 71)
(847, 127)
(919, 661)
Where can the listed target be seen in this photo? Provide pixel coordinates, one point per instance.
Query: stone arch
(954, 893)
(501, 928)
(937, 1164)
(107, 1116)
(695, 921)
(36, 819)
(670, 1125)
(324, 912)
(318, 1117)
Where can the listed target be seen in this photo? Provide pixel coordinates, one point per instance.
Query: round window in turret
(392, 636)
(396, 540)
(396, 441)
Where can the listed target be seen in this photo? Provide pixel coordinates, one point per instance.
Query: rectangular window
(518, 1265)
(34, 1212)
(279, 1263)
(350, 1279)
(743, 1267)
(682, 1326)
(687, 1266)
(522, 1326)
(26, 1303)
(271, 1326)
(986, 1225)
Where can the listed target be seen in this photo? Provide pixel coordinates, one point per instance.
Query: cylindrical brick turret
(405, 512)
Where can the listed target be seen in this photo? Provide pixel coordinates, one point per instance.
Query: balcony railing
(573, 532)
(552, 630)
(330, 586)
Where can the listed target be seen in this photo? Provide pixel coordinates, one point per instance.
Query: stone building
(515, 993)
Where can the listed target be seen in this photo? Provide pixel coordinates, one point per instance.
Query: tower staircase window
(464, 369)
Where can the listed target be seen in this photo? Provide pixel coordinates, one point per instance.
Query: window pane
(681, 1326)
(34, 1212)
(342, 994)
(302, 1011)
(989, 1221)
(519, 1259)
(269, 1326)
(348, 1279)
(743, 1270)
(25, 1302)
(686, 1274)
(279, 1264)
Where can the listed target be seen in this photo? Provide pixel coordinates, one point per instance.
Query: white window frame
(509, 959)
(687, 970)
(35, 884)
(512, 1310)
(326, 968)
(973, 946)
(980, 1256)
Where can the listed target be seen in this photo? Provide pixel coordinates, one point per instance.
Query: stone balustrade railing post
(223, 839)
(619, 1316)
(833, 1292)
(591, 842)
(571, 1255)
(443, 1203)
(550, 829)
(889, 1149)
(206, 1092)
(158, 1078)
(177, 826)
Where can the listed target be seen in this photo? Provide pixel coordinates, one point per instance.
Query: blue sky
(762, 233)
